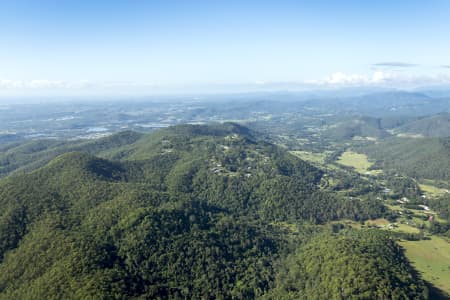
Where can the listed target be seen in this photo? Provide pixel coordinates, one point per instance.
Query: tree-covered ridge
(357, 127)
(232, 172)
(418, 158)
(29, 155)
(187, 212)
(349, 265)
(125, 249)
(431, 126)
(441, 205)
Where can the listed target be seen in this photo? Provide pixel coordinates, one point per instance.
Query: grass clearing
(358, 161)
(384, 224)
(405, 228)
(312, 157)
(394, 207)
(432, 259)
(432, 190)
(381, 222)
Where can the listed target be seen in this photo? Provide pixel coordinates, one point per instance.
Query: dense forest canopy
(190, 211)
(349, 265)
(427, 158)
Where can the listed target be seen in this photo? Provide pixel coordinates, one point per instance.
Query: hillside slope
(433, 126)
(427, 158)
(356, 127)
(353, 264)
(25, 156)
(186, 212)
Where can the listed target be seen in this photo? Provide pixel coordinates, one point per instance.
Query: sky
(133, 46)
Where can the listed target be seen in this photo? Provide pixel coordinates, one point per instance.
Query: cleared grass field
(357, 161)
(380, 222)
(394, 207)
(313, 157)
(432, 190)
(405, 228)
(432, 259)
(397, 228)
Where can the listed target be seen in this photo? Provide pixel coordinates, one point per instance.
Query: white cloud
(10, 84)
(381, 78)
(340, 78)
(46, 84)
(41, 84)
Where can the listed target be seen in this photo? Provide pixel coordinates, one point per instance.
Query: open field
(405, 228)
(312, 157)
(432, 190)
(384, 225)
(418, 215)
(394, 207)
(379, 222)
(432, 259)
(358, 161)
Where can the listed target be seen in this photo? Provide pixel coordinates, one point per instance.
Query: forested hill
(357, 127)
(349, 265)
(22, 156)
(186, 212)
(421, 158)
(431, 126)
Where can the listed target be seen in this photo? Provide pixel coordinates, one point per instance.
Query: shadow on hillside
(436, 293)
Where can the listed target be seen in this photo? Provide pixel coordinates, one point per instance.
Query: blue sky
(156, 46)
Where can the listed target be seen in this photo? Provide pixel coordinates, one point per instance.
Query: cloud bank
(385, 79)
(43, 84)
(378, 78)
